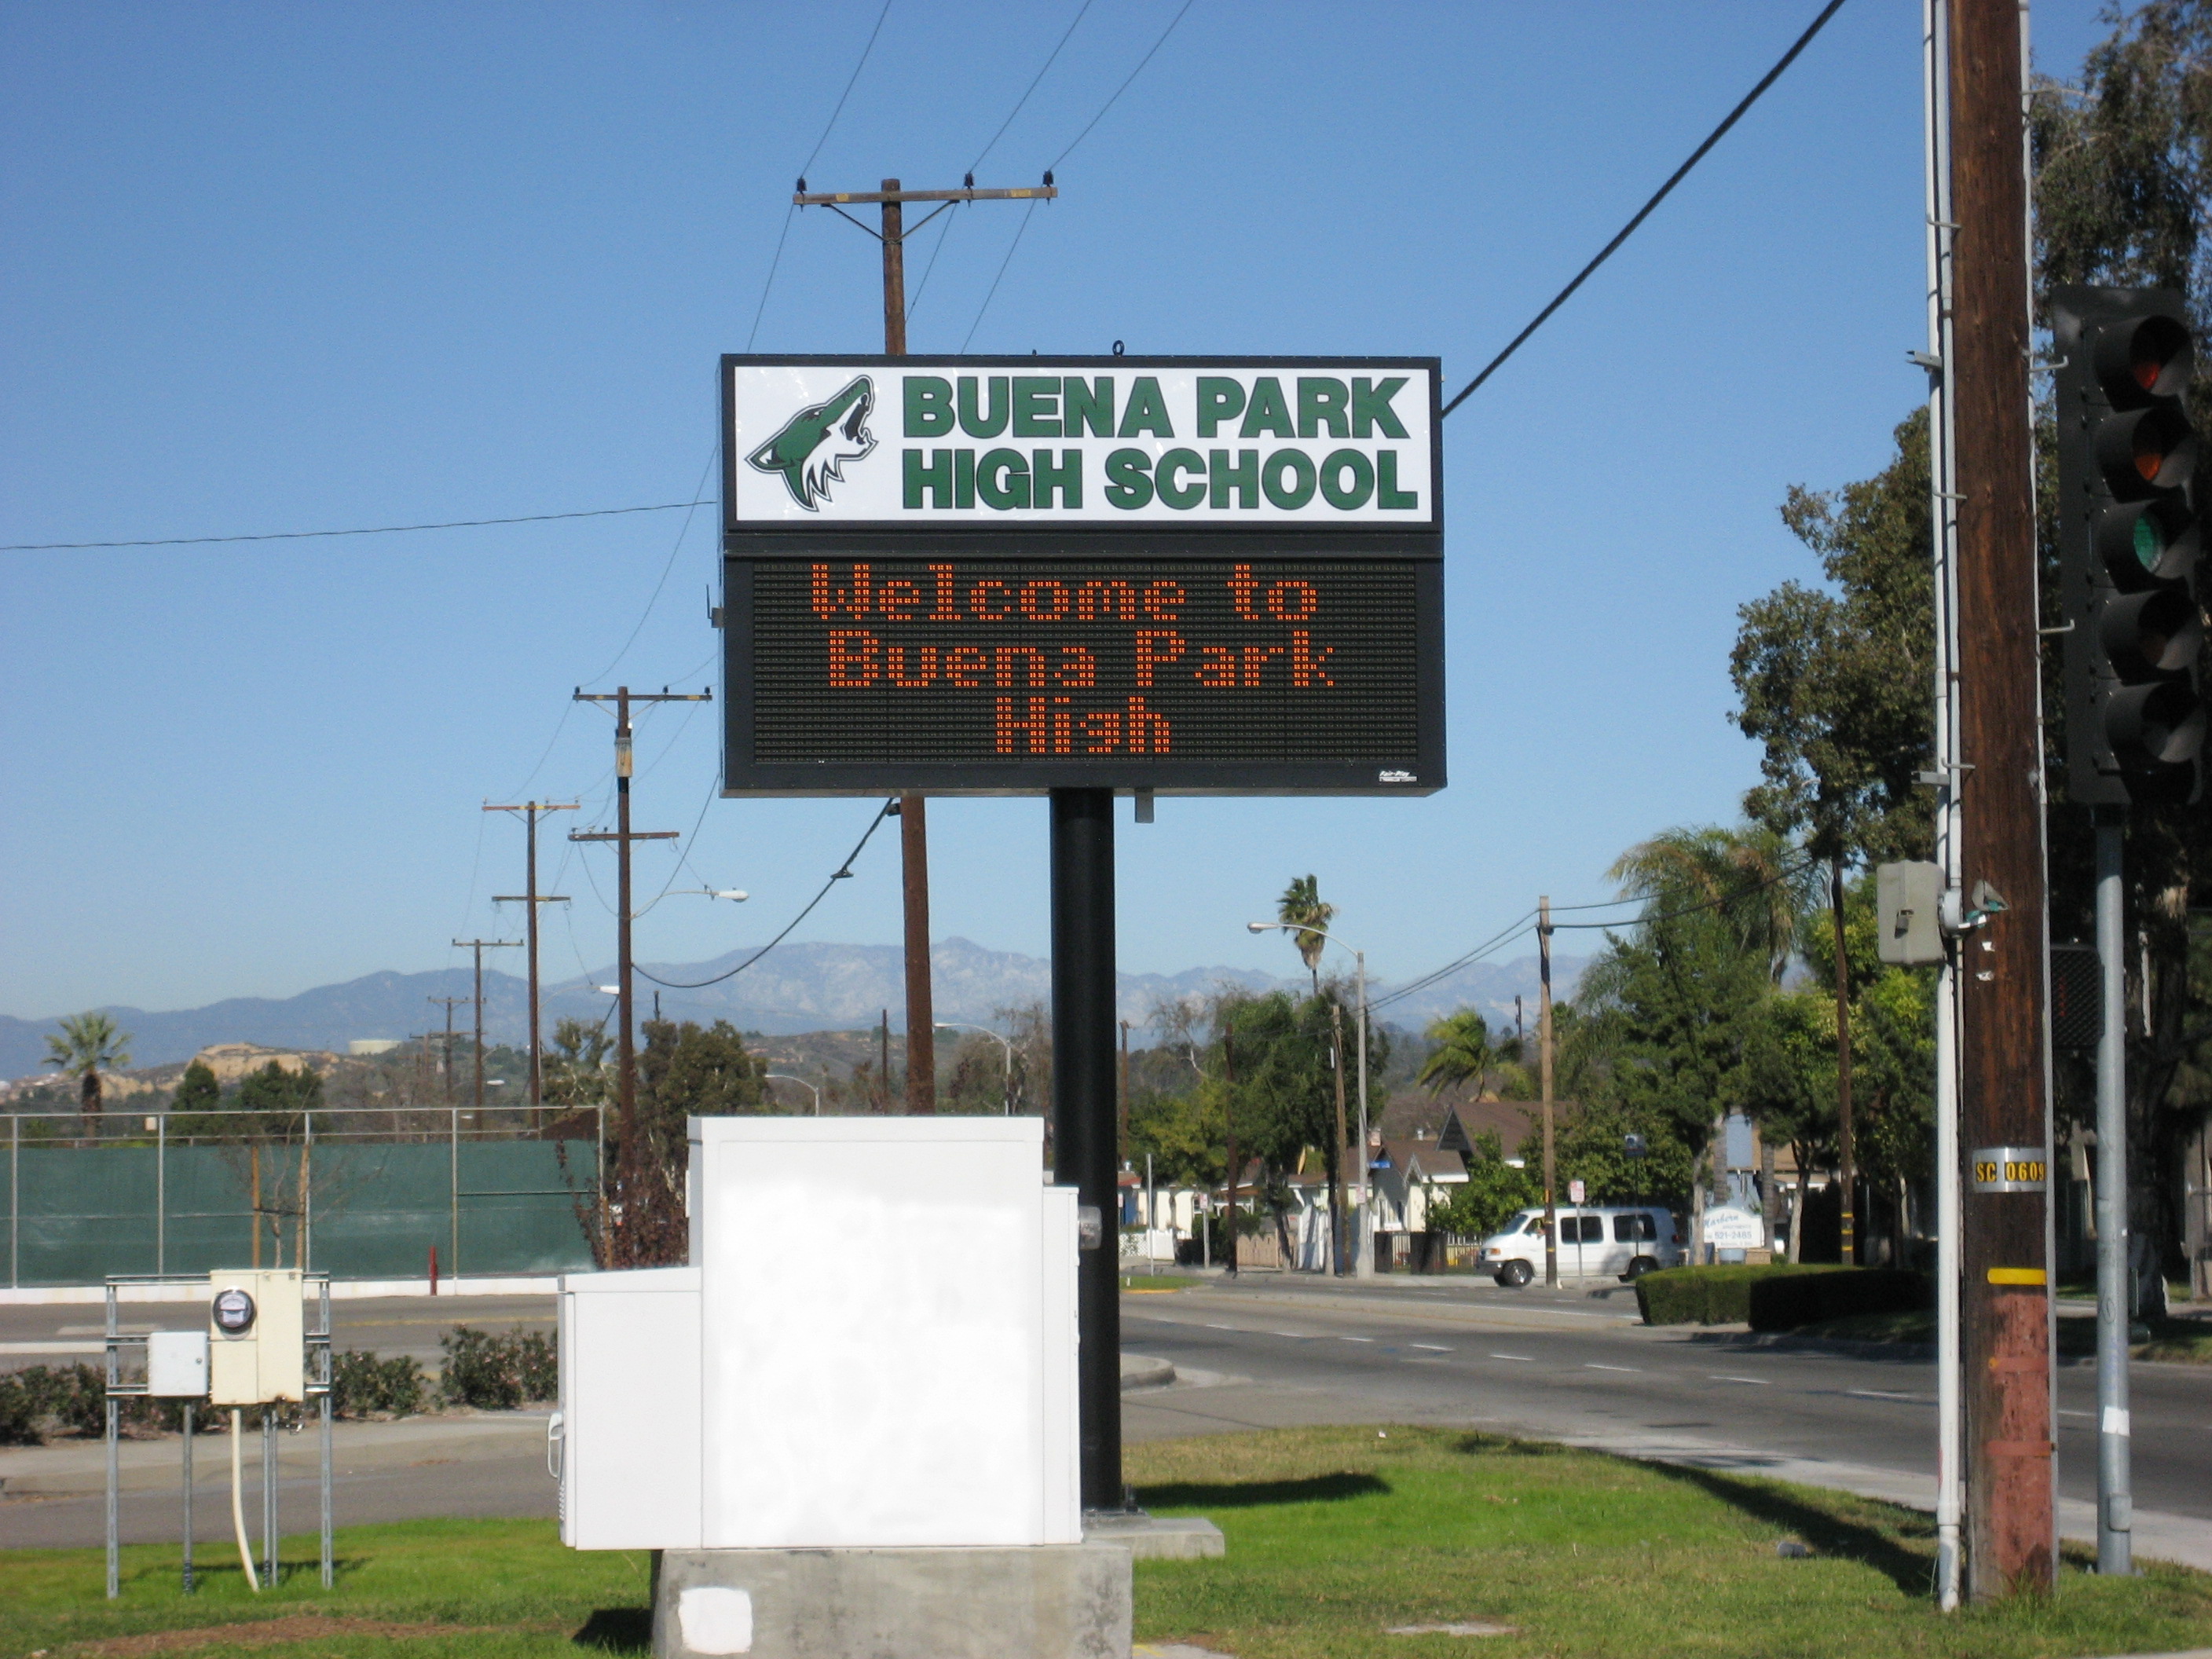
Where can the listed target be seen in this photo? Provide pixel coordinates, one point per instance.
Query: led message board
(979, 576)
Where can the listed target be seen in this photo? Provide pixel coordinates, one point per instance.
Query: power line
(841, 871)
(938, 247)
(374, 529)
(1124, 87)
(807, 165)
(1726, 899)
(1000, 277)
(792, 212)
(1644, 212)
(1497, 942)
(1019, 102)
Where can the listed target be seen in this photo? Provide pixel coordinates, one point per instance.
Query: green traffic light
(2150, 541)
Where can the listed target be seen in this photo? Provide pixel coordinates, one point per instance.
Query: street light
(1007, 1093)
(786, 1077)
(1363, 1253)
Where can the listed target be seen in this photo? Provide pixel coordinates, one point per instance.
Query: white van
(1596, 1241)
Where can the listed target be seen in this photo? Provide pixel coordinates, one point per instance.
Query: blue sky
(285, 267)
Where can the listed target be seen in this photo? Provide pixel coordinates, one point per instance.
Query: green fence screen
(77, 1213)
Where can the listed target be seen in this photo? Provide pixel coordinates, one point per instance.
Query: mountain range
(797, 988)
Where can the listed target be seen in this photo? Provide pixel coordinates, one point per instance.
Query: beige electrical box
(1909, 900)
(257, 1337)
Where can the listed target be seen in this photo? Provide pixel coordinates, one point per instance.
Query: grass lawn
(487, 1590)
(1335, 1535)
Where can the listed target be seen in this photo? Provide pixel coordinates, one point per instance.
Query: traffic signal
(2129, 535)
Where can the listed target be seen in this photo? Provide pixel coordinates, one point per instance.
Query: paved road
(386, 1325)
(1564, 1366)
(1271, 1350)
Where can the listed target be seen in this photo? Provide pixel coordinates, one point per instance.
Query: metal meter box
(625, 1442)
(257, 1337)
(177, 1365)
(1908, 899)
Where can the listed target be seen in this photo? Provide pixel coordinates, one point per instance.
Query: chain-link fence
(358, 1193)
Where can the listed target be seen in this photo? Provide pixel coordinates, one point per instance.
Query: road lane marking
(1757, 1382)
(1433, 1347)
(2062, 1411)
(1884, 1394)
(1590, 1366)
(1526, 1359)
(1355, 1339)
(1295, 1336)
(1222, 1328)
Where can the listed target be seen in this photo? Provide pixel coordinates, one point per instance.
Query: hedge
(1710, 1295)
(1783, 1305)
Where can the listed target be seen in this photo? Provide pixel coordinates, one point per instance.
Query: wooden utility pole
(1229, 1129)
(1337, 1231)
(1544, 1069)
(2005, 1271)
(479, 946)
(913, 810)
(1847, 1170)
(531, 897)
(622, 834)
(446, 1064)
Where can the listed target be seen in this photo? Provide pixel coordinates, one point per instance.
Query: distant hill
(797, 988)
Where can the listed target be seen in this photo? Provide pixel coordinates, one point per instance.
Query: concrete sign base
(1044, 1601)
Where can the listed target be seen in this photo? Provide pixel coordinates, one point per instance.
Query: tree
(86, 1044)
(197, 1091)
(1657, 1042)
(578, 1070)
(1301, 907)
(1836, 688)
(1493, 1194)
(1463, 1052)
(684, 1070)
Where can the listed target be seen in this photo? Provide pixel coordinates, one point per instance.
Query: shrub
(363, 1382)
(19, 1411)
(495, 1372)
(1783, 1305)
(1710, 1295)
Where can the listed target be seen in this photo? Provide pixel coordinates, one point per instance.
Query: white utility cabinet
(881, 1324)
(625, 1442)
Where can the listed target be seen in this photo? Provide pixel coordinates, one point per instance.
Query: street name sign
(1003, 575)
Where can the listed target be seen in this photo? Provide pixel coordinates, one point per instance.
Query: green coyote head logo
(815, 444)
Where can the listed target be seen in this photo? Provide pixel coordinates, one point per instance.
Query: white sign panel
(1096, 441)
(1729, 1229)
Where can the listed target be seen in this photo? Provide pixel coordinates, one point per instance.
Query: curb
(1143, 1371)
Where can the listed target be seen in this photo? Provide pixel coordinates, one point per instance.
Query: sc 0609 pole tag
(2009, 1169)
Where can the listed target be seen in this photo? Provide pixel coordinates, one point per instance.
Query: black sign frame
(747, 547)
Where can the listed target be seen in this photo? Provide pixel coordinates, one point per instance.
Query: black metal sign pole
(1083, 1127)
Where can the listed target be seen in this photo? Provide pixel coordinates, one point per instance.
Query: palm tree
(87, 1042)
(1300, 907)
(1760, 882)
(1463, 1053)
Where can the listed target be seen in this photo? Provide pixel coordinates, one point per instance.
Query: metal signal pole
(913, 810)
(530, 895)
(622, 834)
(2004, 1109)
(479, 946)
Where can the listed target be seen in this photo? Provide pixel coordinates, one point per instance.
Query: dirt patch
(264, 1632)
